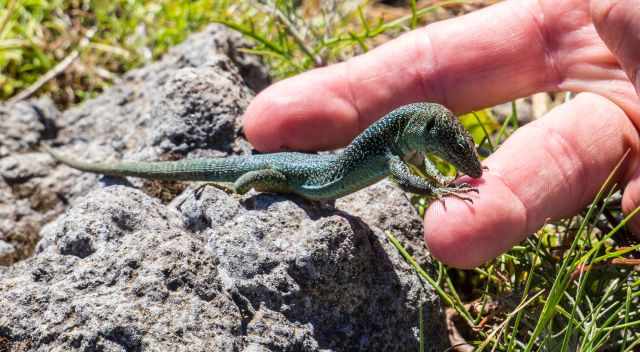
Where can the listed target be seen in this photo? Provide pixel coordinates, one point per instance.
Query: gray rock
(186, 104)
(386, 208)
(122, 270)
(25, 202)
(7, 253)
(199, 49)
(25, 124)
(118, 272)
(198, 108)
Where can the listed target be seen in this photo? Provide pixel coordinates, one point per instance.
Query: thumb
(549, 169)
(618, 24)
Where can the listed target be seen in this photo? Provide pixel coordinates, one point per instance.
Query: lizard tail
(215, 170)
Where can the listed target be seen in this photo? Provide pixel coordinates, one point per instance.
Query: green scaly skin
(389, 147)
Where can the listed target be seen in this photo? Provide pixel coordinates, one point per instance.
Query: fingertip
(262, 122)
(305, 112)
(286, 117)
(465, 235)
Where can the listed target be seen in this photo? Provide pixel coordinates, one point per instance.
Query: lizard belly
(346, 181)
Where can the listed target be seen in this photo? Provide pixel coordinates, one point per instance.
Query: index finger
(480, 59)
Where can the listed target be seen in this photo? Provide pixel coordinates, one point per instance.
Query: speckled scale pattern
(414, 128)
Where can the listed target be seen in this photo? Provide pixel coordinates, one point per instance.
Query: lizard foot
(201, 186)
(456, 191)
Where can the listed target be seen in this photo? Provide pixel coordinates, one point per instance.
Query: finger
(549, 169)
(618, 23)
(485, 57)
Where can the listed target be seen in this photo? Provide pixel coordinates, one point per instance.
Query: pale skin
(549, 169)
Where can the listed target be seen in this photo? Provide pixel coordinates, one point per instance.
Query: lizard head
(445, 137)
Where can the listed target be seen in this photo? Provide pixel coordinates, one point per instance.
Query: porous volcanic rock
(131, 265)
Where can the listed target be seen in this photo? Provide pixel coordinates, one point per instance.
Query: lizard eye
(460, 147)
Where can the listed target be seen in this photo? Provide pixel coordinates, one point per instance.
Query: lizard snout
(472, 168)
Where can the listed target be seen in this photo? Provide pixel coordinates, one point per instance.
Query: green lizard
(389, 147)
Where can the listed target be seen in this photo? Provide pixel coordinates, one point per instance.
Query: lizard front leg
(267, 180)
(409, 182)
(431, 171)
(420, 164)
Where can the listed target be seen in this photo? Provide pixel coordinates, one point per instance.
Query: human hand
(549, 169)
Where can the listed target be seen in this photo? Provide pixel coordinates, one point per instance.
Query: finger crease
(428, 69)
(353, 97)
(554, 75)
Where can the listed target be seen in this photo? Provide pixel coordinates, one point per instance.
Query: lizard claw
(464, 188)
(456, 191)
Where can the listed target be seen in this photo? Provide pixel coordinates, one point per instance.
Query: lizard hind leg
(267, 180)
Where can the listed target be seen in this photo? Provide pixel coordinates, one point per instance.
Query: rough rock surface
(123, 269)
(25, 202)
(190, 99)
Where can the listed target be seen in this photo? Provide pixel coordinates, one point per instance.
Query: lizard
(393, 146)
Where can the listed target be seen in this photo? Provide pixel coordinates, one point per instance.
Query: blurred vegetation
(36, 35)
(112, 37)
(572, 286)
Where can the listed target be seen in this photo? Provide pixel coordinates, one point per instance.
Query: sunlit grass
(36, 35)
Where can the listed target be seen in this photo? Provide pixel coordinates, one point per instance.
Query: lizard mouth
(474, 172)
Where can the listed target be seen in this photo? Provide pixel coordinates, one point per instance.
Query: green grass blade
(443, 295)
(563, 277)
